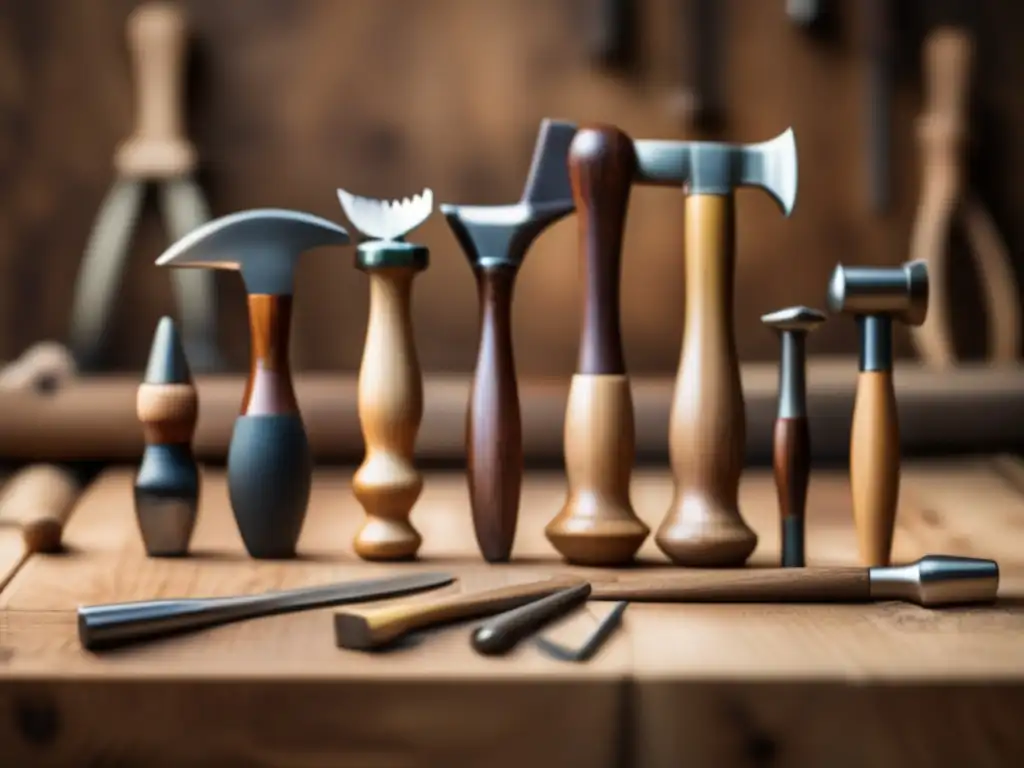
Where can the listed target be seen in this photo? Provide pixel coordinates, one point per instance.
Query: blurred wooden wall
(289, 99)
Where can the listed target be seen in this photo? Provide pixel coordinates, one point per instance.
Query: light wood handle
(387, 483)
(597, 525)
(168, 413)
(707, 429)
(158, 147)
(948, 56)
(364, 630)
(875, 465)
(39, 499)
(767, 585)
(44, 367)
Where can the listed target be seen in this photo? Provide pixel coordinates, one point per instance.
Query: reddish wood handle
(792, 464)
(494, 440)
(602, 163)
(269, 389)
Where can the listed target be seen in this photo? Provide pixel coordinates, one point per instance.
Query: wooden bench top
(706, 682)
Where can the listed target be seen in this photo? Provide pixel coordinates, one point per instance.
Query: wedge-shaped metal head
(167, 363)
(709, 168)
(263, 244)
(794, 319)
(497, 235)
(386, 219)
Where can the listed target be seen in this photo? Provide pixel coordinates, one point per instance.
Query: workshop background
(288, 100)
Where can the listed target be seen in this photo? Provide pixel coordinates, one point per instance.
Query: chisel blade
(101, 271)
(185, 210)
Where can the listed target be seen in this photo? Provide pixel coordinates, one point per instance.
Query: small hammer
(876, 296)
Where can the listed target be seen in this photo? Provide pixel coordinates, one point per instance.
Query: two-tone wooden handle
(38, 499)
(597, 524)
(157, 36)
(494, 432)
(875, 465)
(791, 461)
(365, 630)
(387, 483)
(707, 429)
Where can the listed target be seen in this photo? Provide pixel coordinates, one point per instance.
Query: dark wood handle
(502, 633)
(494, 441)
(602, 163)
(611, 33)
(269, 389)
(742, 585)
(792, 464)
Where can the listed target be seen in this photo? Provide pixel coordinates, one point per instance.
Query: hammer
(876, 296)
(269, 462)
(707, 430)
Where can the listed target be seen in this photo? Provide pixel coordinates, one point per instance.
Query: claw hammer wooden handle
(158, 147)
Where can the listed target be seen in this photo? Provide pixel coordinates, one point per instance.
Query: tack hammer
(707, 434)
(875, 296)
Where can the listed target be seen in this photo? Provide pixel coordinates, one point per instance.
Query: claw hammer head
(711, 168)
(264, 245)
(502, 234)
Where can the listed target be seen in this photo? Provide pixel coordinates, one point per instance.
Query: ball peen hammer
(707, 431)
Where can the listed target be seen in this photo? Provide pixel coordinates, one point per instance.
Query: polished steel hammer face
(791, 447)
(707, 436)
(876, 296)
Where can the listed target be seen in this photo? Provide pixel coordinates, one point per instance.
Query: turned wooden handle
(369, 629)
(494, 440)
(602, 163)
(387, 483)
(791, 461)
(158, 147)
(767, 585)
(39, 499)
(875, 465)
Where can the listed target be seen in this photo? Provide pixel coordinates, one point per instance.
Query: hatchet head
(264, 245)
(502, 234)
(710, 168)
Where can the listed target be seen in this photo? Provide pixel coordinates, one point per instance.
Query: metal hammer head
(492, 235)
(709, 168)
(794, 319)
(898, 291)
(263, 244)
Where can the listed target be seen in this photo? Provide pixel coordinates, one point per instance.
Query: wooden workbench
(700, 685)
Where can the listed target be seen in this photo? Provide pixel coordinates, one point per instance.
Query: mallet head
(492, 235)
(711, 168)
(794, 319)
(901, 292)
(264, 245)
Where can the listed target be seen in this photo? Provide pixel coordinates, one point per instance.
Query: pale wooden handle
(157, 38)
(875, 466)
(38, 499)
(387, 483)
(766, 585)
(369, 629)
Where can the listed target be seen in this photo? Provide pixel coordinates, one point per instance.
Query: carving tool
(166, 489)
(876, 296)
(495, 240)
(103, 627)
(792, 438)
(934, 581)
(387, 483)
(38, 500)
(269, 465)
(597, 524)
(591, 645)
(707, 430)
(157, 151)
(942, 131)
(879, 105)
(505, 631)
(378, 627)
(611, 33)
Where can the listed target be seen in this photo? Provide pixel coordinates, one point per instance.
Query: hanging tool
(611, 31)
(591, 645)
(102, 627)
(879, 106)
(942, 131)
(159, 152)
(700, 102)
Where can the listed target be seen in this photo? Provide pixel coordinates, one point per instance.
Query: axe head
(263, 244)
(711, 168)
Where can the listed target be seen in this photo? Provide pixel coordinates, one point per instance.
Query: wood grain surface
(289, 99)
(714, 684)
